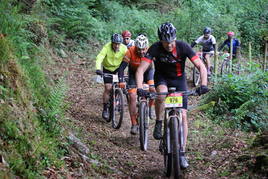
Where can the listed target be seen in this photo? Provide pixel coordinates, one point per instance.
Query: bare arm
(202, 69)
(139, 73)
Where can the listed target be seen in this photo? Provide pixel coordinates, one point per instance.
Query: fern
(55, 107)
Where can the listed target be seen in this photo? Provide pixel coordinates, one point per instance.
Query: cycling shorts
(109, 79)
(148, 77)
(179, 82)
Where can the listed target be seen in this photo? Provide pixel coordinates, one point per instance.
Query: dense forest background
(34, 32)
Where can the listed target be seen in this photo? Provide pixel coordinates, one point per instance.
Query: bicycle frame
(173, 139)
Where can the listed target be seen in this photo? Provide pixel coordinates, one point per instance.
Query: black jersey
(170, 64)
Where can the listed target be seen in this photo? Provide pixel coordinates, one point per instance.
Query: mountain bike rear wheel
(143, 125)
(117, 109)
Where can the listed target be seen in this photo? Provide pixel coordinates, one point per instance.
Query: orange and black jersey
(170, 64)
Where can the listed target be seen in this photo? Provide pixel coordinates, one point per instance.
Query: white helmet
(141, 41)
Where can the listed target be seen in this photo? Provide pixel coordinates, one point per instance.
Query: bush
(242, 100)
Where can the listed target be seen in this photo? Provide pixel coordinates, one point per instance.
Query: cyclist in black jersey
(169, 56)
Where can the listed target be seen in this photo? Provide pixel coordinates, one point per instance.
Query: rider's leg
(106, 93)
(132, 106)
(106, 96)
(133, 111)
(159, 109)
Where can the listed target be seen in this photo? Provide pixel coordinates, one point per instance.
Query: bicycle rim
(196, 77)
(175, 147)
(143, 125)
(118, 109)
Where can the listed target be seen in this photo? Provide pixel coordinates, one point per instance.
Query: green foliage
(242, 100)
(98, 19)
(26, 141)
(54, 111)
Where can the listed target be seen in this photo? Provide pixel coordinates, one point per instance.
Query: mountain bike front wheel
(167, 153)
(117, 109)
(174, 140)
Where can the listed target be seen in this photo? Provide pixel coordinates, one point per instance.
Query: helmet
(230, 33)
(141, 41)
(167, 32)
(116, 38)
(126, 33)
(207, 30)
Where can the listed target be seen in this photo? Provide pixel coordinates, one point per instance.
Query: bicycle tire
(143, 125)
(225, 67)
(118, 107)
(196, 77)
(174, 137)
(167, 153)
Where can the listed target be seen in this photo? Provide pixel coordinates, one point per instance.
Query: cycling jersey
(207, 44)
(110, 59)
(170, 64)
(227, 42)
(132, 58)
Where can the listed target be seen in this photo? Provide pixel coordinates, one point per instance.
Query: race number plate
(115, 78)
(173, 101)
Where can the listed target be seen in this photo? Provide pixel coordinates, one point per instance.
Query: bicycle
(226, 63)
(227, 66)
(116, 102)
(173, 138)
(144, 117)
(196, 73)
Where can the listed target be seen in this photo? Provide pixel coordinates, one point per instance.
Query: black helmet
(167, 32)
(207, 30)
(117, 38)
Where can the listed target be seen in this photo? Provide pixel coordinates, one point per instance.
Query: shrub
(242, 100)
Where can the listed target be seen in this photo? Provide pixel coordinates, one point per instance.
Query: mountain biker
(236, 43)
(169, 56)
(133, 59)
(127, 39)
(208, 43)
(110, 57)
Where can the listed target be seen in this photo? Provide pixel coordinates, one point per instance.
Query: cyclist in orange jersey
(133, 60)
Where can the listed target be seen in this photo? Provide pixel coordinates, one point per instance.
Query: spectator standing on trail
(132, 59)
(110, 57)
(127, 39)
(236, 44)
(208, 43)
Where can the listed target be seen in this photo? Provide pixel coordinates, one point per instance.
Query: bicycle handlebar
(184, 93)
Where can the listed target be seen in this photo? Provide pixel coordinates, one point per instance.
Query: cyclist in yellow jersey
(110, 57)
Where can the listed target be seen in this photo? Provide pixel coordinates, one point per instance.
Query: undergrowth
(30, 109)
(241, 100)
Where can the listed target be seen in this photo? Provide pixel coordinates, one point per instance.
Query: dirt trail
(117, 150)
